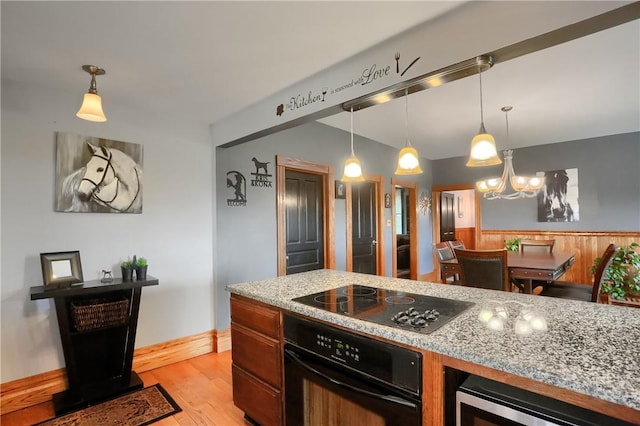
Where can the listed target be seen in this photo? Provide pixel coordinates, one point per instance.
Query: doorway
(365, 232)
(304, 221)
(298, 184)
(447, 217)
(471, 241)
(405, 229)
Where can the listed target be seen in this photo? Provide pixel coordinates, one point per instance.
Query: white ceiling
(202, 61)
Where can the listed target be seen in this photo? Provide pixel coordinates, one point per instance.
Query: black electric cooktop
(415, 312)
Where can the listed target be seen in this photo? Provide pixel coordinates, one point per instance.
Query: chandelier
(523, 186)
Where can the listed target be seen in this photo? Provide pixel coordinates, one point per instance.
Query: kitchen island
(589, 356)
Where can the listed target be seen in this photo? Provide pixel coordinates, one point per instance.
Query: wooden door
(364, 227)
(304, 222)
(447, 217)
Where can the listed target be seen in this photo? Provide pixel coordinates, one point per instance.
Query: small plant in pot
(127, 270)
(512, 245)
(623, 274)
(141, 268)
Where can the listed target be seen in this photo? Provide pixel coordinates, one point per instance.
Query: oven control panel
(340, 349)
(389, 363)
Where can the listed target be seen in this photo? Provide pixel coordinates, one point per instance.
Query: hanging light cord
(481, 107)
(352, 154)
(406, 116)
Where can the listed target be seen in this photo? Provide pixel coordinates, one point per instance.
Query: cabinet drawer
(257, 399)
(256, 317)
(256, 354)
(530, 274)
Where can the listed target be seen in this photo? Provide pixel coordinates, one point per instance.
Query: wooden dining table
(525, 267)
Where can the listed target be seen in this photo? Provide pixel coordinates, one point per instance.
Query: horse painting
(558, 199)
(111, 181)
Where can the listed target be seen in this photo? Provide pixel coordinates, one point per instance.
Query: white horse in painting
(110, 179)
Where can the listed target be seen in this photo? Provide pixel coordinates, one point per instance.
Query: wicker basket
(92, 314)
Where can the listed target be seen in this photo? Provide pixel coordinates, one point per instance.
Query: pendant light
(483, 146)
(91, 108)
(523, 186)
(408, 161)
(352, 167)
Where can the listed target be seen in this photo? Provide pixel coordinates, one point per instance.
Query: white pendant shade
(408, 162)
(91, 108)
(352, 170)
(483, 150)
(352, 167)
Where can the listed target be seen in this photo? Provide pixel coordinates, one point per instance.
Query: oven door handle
(389, 398)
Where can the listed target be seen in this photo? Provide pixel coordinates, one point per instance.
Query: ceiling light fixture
(352, 167)
(524, 186)
(483, 146)
(91, 108)
(408, 160)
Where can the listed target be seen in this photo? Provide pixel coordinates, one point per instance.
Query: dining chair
(540, 246)
(535, 246)
(484, 269)
(456, 244)
(444, 252)
(578, 291)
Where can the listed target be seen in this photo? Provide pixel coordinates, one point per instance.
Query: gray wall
(174, 232)
(608, 184)
(247, 235)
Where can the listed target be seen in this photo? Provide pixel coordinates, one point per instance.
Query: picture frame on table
(61, 269)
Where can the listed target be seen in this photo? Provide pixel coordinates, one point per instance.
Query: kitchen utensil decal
(410, 65)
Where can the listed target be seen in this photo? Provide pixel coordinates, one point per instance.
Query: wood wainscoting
(467, 236)
(23, 393)
(586, 246)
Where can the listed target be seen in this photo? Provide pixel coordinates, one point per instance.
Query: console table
(97, 323)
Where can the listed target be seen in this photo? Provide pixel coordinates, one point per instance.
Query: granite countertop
(589, 348)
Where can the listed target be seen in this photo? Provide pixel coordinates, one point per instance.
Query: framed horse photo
(95, 175)
(61, 269)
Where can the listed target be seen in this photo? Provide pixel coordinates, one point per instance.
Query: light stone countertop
(589, 348)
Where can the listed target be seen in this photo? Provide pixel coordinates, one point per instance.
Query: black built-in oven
(338, 378)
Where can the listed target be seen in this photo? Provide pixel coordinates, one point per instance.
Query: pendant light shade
(352, 167)
(483, 150)
(408, 160)
(91, 108)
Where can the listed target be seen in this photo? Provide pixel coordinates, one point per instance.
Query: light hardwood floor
(201, 386)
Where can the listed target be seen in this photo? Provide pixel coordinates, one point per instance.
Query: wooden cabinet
(97, 323)
(257, 361)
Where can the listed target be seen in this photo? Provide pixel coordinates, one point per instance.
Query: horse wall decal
(111, 181)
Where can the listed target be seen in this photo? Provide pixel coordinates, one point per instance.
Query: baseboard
(23, 393)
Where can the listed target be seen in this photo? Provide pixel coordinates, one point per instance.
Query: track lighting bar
(427, 81)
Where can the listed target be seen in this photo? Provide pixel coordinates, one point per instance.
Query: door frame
(378, 182)
(412, 208)
(288, 163)
(435, 204)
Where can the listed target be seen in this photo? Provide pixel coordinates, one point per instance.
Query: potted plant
(512, 245)
(127, 270)
(141, 269)
(623, 274)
